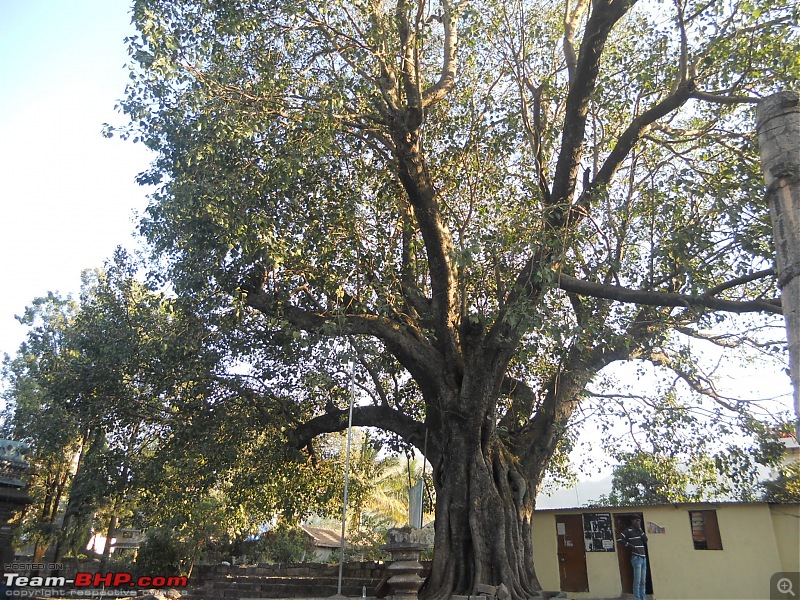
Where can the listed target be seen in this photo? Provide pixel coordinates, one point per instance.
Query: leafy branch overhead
(487, 202)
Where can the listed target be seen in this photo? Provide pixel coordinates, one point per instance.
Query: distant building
(792, 448)
(726, 550)
(325, 542)
(792, 454)
(124, 539)
(127, 539)
(13, 492)
(13, 463)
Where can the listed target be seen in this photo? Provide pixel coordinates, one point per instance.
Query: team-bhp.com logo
(94, 580)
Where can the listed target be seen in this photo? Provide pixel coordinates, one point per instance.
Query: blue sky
(67, 194)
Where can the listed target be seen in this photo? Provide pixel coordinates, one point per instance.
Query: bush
(786, 488)
(161, 553)
(367, 542)
(284, 544)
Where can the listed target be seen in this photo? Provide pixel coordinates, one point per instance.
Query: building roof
(323, 538)
(639, 507)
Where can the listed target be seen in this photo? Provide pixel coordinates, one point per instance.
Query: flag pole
(347, 473)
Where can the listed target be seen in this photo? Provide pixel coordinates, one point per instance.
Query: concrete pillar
(406, 545)
(405, 570)
(778, 125)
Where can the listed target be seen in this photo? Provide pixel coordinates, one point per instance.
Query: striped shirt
(635, 539)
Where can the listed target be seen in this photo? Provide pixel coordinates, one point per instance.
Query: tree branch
(373, 374)
(436, 235)
(447, 79)
(382, 417)
(722, 98)
(731, 340)
(740, 281)
(621, 294)
(523, 400)
(414, 353)
(572, 15)
(700, 384)
(634, 131)
(604, 15)
(388, 78)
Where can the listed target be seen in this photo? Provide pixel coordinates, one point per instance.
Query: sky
(67, 194)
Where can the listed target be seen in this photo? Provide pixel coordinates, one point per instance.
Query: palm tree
(387, 480)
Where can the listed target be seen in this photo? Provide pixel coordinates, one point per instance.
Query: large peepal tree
(490, 201)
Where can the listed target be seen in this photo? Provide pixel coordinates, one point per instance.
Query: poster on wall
(655, 528)
(598, 532)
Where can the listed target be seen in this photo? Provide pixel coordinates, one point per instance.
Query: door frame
(621, 522)
(571, 553)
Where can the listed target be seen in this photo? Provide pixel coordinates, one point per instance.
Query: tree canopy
(90, 392)
(133, 417)
(786, 486)
(485, 203)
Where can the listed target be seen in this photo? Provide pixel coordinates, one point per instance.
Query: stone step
(268, 582)
(299, 570)
(332, 579)
(282, 587)
(312, 590)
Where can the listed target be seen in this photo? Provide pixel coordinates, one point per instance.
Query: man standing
(636, 539)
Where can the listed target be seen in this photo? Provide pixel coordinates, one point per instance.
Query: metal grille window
(705, 530)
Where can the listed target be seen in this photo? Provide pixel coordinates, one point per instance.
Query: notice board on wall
(598, 532)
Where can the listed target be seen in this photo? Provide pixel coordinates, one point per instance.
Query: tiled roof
(323, 538)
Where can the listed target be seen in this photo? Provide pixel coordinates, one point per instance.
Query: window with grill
(705, 530)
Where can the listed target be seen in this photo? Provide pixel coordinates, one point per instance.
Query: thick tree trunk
(62, 542)
(112, 532)
(778, 122)
(484, 507)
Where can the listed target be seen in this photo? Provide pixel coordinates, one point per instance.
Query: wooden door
(571, 554)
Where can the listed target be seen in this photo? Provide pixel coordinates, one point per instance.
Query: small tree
(285, 544)
(643, 478)
(786, 486)
(89, 391)
(162, 552)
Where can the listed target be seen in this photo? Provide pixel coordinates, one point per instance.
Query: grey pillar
(405, 569)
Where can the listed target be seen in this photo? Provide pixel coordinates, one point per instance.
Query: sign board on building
(598, 532)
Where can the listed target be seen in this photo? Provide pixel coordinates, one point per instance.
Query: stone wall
(352, 570)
